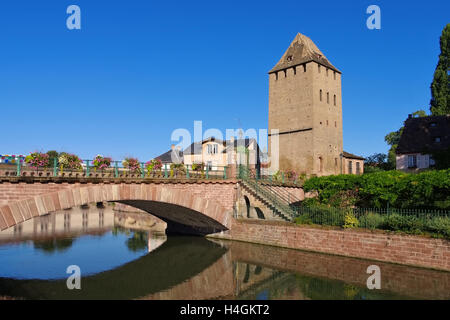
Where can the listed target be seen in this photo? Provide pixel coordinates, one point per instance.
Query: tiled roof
(302, 50)
(421, 134)
(351, 156)
(167, 156)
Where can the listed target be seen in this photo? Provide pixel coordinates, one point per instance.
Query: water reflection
(131, 263)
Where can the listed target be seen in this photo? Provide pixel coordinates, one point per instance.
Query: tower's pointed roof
(302, 50)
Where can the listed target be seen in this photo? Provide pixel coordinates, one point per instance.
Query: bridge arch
(183, 211)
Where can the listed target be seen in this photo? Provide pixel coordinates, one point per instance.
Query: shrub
(438, 225)
(325, 215)
(409, 224)
(350, 221)
(425, 190)
(371, 220)
(303, 219)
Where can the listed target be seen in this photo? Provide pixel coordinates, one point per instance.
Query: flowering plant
(291, 175)
(37, 160)
(197, 166)
(101, 162)
(153, 165)
(132, 164)
(69, 161)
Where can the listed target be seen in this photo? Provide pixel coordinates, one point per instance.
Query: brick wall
(381, 246)
(220, 191)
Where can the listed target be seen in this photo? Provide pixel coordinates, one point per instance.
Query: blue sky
(137, 70)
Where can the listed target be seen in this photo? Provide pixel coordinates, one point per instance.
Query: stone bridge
(191, 206)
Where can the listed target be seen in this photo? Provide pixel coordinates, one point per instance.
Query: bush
(303, 219)
(371, 220)
(324, 215)
(350, 221)
(438, 225)
(425, 190)
(409, 224)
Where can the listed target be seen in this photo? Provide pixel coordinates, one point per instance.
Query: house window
(304, 67)
(289, 58)
(358, 168)
(320, 164)
(212, 148)
(350, 167)
(433, 124)
(334, 98)
(276, 75)
(437, 139)
(412, 161)
(320, 94)
(335, 124)
(432, 162)
(328, 97)
(295, 71)
(209, 165)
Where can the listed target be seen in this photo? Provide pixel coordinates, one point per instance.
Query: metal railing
(407, 220)
(280, 205)
(86, 169)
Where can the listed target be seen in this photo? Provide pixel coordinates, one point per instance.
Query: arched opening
(247, 206)
(259, 213)
(179, 219)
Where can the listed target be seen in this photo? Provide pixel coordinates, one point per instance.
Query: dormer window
(213, 148)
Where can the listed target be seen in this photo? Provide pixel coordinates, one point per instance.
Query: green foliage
(440, 87)
(371, 220)
(322, 215)
(438, 225)
(350, 221)
(303, 219)
(426, 190)
(409, 224)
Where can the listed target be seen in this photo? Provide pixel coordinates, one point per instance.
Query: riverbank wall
(374, 245)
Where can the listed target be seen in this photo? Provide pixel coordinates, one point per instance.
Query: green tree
(376, 162)
(440, 87)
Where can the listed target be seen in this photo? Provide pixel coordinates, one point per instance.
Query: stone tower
(305, 105)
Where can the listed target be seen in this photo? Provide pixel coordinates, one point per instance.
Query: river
(121, 259)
